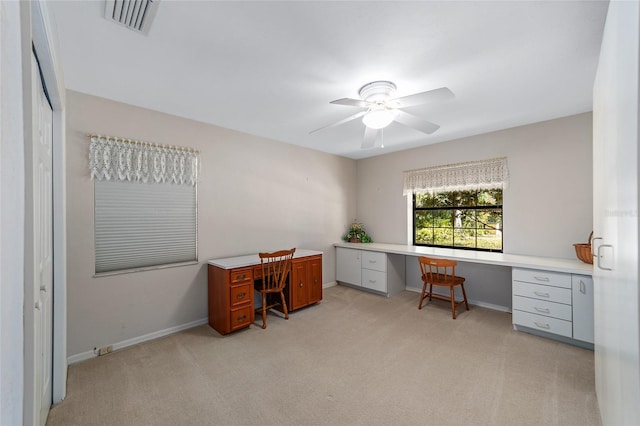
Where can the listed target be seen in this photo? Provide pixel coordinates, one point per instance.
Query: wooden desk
(231, 281)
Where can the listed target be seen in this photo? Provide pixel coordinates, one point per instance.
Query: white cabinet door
(582, 308)
(348, 266)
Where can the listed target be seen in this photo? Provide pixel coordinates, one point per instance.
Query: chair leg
(464, 295)
(284, 306)
(422, 295)
(453, 303)
(430, 292)
(264, 310)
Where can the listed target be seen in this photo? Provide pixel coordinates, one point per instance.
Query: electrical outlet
(105, 350)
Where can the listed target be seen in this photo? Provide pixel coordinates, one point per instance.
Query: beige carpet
(355, 358)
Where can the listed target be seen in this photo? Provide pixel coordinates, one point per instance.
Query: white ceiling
(271, 68)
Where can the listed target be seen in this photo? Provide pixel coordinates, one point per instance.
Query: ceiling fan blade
(344, 120)
(414, 122)
(370, 136)
(352, 102)
(436, 95)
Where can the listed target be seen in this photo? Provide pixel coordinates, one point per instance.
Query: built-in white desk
(569, 266)
(549, 296)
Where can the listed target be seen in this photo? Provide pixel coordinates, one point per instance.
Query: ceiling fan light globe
(378, 119)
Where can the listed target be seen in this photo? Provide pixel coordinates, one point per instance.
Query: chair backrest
(437, 270)
(275, 268)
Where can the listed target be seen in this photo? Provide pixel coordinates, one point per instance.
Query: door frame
(43, 37)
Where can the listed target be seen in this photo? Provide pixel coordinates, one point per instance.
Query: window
(460, 219)
(458, 205)
(145, 204)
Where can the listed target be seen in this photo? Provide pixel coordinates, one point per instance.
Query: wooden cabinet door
(315, 279)
(299, 285)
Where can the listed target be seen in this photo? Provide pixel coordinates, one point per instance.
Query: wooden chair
(441, 273)
(276, 267)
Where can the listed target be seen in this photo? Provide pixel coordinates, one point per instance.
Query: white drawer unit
(374, 280)
(555, 279)
(542, 307)
(372, 270)
(542, 292)
(553, 303)
(544, 324)
(374, 260)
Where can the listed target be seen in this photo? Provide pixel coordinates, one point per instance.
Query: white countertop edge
(253, 259)
(572, 266)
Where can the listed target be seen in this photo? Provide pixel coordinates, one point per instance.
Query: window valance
(118, 159)
(484, 174)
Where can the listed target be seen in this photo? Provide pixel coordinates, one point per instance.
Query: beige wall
(257, 194)
(254, 194)
(547, 206)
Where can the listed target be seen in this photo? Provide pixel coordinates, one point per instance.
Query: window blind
(139, 225)
(145, 205)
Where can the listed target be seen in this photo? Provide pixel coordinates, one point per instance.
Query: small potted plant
(357, 234)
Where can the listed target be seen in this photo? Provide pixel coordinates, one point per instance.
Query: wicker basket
(583, 251)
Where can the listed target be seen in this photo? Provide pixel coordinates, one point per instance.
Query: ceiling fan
(381, 110)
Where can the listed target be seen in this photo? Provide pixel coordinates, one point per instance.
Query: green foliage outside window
(459, 219)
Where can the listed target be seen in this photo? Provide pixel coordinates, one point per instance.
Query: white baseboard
(140, 339)
(472, 302)
(331, 284)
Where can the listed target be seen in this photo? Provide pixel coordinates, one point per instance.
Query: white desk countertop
(253, 259)
(573, 266)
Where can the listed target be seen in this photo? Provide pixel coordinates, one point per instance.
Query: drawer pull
(241, 318)
(542, 325)
(539, 293)
(300, 284)
(241, 295)
(373, 261)
(241, 277)
(372, 281)
(545, 279)
(583, 288)
(543, 310)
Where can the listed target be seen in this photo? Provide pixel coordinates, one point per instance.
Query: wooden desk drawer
(542, 292)
(374, 260)
(542, 323)
(241, 317)
(241, 275)
(556, 279)
(241, 294)
(542, 307)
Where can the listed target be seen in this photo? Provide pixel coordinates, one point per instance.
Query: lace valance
(484, 174)
(118, 159)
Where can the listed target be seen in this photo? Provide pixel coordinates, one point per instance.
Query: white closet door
(615, 176)
(43, 246)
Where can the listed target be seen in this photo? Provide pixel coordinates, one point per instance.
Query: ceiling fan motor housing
(377, 91)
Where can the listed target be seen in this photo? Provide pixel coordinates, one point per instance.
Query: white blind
(140, 225)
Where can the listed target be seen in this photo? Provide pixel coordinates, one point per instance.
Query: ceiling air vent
(137, 15)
